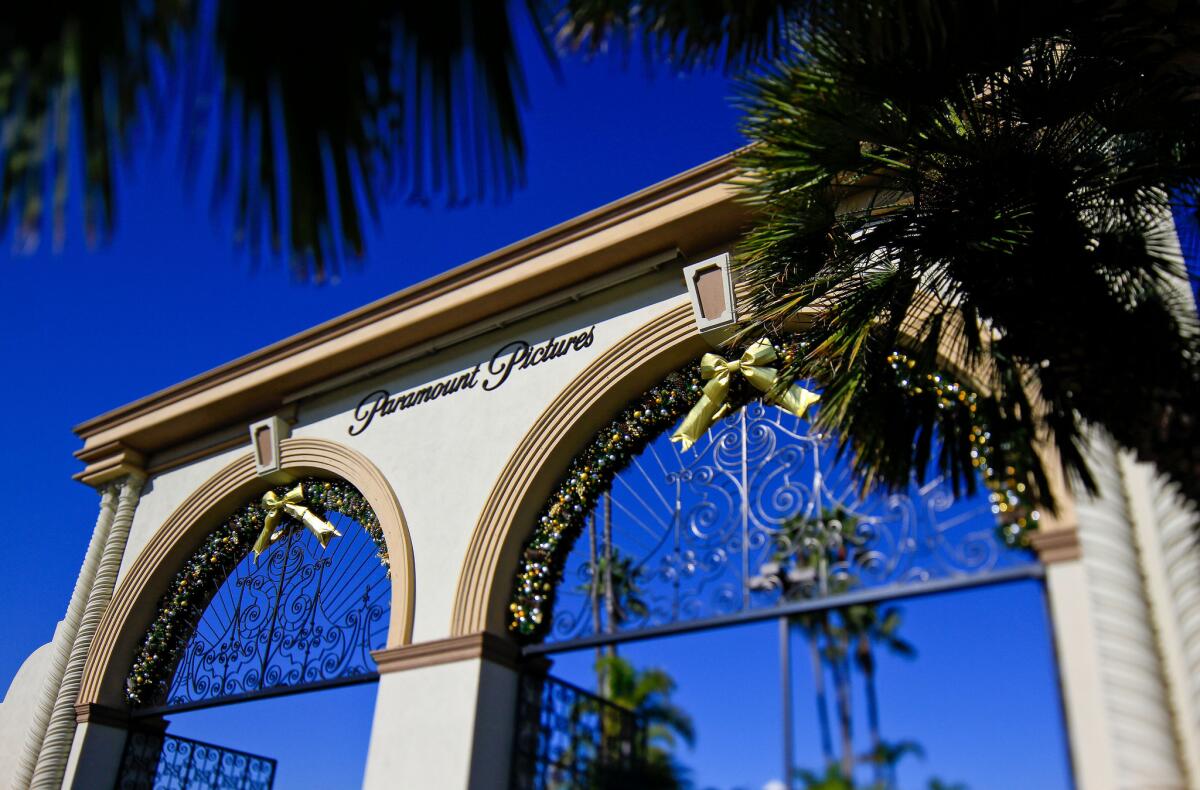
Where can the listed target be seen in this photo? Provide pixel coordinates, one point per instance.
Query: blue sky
(982, 682)
(88, 330)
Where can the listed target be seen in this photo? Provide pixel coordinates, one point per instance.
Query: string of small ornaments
(1016, 514)
(197, 582)
(564, 514)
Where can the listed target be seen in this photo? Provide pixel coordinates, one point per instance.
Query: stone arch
(133, 604)
(633, 364)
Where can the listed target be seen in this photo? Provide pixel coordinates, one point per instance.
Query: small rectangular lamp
(710, 286)
(265, 436)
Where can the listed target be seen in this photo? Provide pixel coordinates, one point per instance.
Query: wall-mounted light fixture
(710, 285)
(265, 436)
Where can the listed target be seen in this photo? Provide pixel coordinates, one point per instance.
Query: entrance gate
(759, 520)
(303, 615)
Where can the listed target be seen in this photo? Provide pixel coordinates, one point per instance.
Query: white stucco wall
(15, 711)
(442, 457)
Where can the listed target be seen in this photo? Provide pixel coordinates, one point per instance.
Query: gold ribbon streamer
(719, 372)
(289, 503)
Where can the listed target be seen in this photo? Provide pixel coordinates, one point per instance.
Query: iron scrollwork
(156, 761)
(760, 511)
(300, 615)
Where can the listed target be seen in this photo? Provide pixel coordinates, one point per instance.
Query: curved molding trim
(634, 363)
(133, 604)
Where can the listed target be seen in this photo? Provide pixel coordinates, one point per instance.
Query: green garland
(563, 516)
(1011, 504)
(194, 586)
(612, 449)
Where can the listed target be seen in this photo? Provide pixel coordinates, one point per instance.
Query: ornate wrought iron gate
(157, 761)
(761, 519)
(301, 616)
(567, 737)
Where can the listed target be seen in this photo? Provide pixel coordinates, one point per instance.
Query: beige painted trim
(636, 362)
(483, 645)
(135, 600)
(109, 462)
(1060, 544)
(100, 714)
(693, 212)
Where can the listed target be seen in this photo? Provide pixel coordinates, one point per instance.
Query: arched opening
(749, 572)
(198, 622)
(289, 594)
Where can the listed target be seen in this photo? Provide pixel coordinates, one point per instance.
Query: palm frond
(314, 117)
(329, 112)
(1003, 221)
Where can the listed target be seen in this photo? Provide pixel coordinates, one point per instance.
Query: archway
(135, 602)
(755, 543)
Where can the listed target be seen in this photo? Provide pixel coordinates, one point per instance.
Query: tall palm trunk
(610, 598)
(838, 664)
(818, 668)
(594, 595)
(866, 661)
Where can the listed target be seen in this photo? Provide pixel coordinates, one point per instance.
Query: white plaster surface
(95, 757)
(429, 722)
(442, 457)
(165, 492)
(17, 708)
(445, 726)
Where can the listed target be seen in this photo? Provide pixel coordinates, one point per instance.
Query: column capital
(101, 714)
(110, 462)
(483, 644)
(1060, 544)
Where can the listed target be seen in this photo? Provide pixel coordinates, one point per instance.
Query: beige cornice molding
(135, 600)
(693, 211)
(484, 645)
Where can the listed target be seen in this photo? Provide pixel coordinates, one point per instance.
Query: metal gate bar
(889, 592)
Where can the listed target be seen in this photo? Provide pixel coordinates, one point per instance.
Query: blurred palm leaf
(314, 115)
(95, 60)
(700, 33)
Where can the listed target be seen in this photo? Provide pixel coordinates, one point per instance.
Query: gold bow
(289, 503)
(719, 372)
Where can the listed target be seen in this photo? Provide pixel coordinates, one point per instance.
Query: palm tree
(1008, 224)
(983, 186)
(867, 627)
(647, 692)
(314, 114)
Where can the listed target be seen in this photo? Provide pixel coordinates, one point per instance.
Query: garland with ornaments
(206, 570)
(1016, 514)
(563, 516)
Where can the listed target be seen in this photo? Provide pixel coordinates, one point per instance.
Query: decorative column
(60, 732)
(1120, 717)
(66, 639)
(1169, 549)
